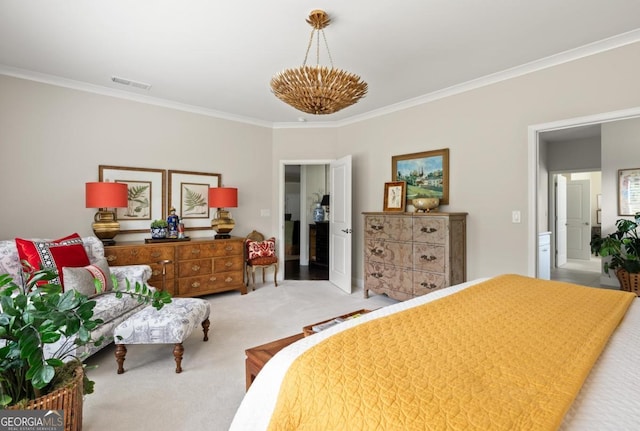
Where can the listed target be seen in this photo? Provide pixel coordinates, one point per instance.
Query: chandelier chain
(327, 46)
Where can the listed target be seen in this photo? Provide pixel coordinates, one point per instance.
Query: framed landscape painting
(189, 195)
(145, 195)
(426, 174)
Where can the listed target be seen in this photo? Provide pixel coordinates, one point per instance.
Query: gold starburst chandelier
(317, 89)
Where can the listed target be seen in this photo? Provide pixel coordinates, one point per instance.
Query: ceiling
(217, 58)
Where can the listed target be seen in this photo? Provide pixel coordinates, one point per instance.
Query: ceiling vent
(130, 83)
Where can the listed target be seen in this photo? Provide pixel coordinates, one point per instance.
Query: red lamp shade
(106, 195)
(223, 197)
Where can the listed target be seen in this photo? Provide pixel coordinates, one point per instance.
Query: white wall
(53, 139)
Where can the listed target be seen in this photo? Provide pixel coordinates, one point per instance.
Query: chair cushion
(256, 249)
(82, 278)
(267, 260)
(68, 251)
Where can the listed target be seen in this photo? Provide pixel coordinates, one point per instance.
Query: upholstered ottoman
(172, 324)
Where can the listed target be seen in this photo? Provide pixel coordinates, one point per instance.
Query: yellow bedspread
(510, 353)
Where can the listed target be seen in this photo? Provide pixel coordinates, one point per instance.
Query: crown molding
(534, 66)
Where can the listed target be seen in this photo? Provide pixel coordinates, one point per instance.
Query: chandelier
(317, 89)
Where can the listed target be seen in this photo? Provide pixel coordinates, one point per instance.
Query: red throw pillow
(67, 251)
(266, 248)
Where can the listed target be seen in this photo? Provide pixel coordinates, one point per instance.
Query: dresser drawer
(156, 272)
(430, 229)
(388, 227)
(137, 255)
(190, 268)
(427, 282)
(210, 249)
(381, 278)
(427, 257)
(224, 264)
(391, 252)
(192, 286)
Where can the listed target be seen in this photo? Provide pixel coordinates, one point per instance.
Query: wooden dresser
(197, 267)
(412, 254)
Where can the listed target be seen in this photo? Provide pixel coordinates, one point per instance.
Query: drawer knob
(156, 254)
(195, 285)
(428, 229)
(134, 252)
(228, 248)
(156, 272)
(228, 279)
(377, 227)
(213, 278)
(428, 285)
(195, 268)
(377, 252)
(112, 258)
(376, 274)
(428, 258)
(195, 251)
(228, 264)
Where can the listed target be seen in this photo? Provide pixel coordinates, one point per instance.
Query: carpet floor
(205, 396)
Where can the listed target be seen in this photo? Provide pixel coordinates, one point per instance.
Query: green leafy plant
(40, 313)
(622, 246)
(160, 223)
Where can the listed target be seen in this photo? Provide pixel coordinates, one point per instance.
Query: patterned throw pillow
(67, 251)
(261, 249)
(81, 278)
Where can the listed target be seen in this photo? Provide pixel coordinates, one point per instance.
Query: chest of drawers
(194, 268)
(412, 254)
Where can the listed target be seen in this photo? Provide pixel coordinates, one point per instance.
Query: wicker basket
(629, 281)
(68, 399)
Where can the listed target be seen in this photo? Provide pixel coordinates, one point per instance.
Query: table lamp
(221, 198)
(104, 195)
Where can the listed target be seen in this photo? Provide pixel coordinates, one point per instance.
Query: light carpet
(205, 396)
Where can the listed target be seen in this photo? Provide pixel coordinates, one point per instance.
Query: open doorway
(306, 241)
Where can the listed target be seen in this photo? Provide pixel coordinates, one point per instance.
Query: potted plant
(159, 229)
(623, 249)
(39, 314)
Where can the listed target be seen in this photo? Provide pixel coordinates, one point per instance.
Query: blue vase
(318, 213)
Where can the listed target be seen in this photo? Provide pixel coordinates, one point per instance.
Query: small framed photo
(189, 195)
(145, 195)
(394, 196)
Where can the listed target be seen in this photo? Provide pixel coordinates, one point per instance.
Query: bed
(591, 384)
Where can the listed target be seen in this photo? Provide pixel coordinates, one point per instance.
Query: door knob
(346, 230)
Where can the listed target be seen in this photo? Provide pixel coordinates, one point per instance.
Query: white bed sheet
(608, 401)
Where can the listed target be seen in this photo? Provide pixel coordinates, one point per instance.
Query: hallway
(578, 271)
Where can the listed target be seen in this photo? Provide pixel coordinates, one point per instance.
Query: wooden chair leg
(263, 269)
(205, 329)
(121, 352)
(253, 277)
(275, 274)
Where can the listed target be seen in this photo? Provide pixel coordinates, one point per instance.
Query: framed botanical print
(426, 174)
(189, 195)
(394, 196)
(145, 195)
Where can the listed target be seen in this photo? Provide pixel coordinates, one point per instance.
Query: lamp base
(106, 242)
(222, 236)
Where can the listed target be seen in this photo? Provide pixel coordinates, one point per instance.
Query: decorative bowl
(425, 204)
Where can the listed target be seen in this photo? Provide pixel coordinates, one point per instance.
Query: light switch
(515, 216)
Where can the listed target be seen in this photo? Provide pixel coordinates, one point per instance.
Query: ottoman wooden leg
(178, 350)
(121, 352)
(205, 329)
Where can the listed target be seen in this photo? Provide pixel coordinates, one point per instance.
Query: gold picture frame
(146, 195)
(426, 174)
(394, 196)
(189, 195)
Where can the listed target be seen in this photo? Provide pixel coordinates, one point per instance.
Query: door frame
(281, 198)
(533, 150)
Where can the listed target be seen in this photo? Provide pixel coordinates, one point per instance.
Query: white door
(579, 219)
(340, 224)
(561, 220)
